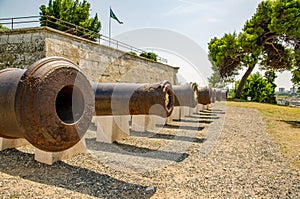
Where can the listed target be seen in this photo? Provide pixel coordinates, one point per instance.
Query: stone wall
(20, 48)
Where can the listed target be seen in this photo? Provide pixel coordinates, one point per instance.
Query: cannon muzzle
(133, 99)
(186, 95)
(50, 104)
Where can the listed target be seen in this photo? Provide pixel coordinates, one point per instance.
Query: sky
(189, 21)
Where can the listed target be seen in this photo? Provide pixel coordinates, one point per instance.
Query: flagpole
(109, 26)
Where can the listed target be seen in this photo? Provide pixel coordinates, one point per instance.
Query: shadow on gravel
(193, 121)
(294, 124)
(214, 111)
(209, 117)
(181, 127)
(134, 150)
(16, 163)
(148, 134)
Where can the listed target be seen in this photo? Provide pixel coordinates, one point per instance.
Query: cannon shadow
(148, 134)
(294, 124)
(131, 150)
(77, 179)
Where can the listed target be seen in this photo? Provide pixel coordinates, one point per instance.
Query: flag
(112, 15)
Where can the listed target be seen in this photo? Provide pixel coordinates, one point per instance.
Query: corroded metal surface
(186, 95)
(204, 96)
(51, 103)
(9, 79)
(133, 99)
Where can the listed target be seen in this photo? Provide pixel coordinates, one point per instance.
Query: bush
(260, 89)
(149, 55)
(132, 53)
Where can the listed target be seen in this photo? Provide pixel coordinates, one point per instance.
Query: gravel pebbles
(221, 153)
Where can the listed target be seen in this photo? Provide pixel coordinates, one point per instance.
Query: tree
(149, 55)
(260, 89)
(216, 81)
(3, 27)
(74, 12)
(269, 39)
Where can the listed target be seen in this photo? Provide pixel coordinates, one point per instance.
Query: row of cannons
(51, 104)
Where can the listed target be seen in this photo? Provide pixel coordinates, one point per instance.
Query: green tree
(216, 81)
(260, 89)
(58, 12)
(3, 27)
(149, 55)
(269, 39)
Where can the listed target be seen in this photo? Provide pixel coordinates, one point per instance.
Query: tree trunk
(243, 81)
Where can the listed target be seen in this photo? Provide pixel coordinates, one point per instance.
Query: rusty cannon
(133, 99)
(204, 96)
(50, 104)
(186, 95)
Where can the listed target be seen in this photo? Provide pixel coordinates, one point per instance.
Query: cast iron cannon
(50, 104)
(204, 96)
(186, 95)
(133, 99)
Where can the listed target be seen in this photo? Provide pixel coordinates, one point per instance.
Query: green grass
(283, 124)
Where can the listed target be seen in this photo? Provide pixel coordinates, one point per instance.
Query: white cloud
(183, 9)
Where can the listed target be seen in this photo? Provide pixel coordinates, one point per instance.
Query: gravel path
(221, 153)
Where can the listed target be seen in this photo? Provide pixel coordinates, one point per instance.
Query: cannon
(51, 104)
(224, 94)
(213, 95)
(186, 95)
(218, 94)
(204, 96)
(133, 99)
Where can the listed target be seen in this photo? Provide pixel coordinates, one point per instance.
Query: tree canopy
(269, 39)
(76, 12)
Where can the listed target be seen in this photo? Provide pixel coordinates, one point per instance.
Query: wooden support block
(138, 123)
(52, 157)
(112, 128)
(12, 143)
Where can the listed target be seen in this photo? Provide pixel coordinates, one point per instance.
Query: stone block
(112, 128)
(185, 111)
(176, 113)
(154, 122)
(12, 143)
(52, 157)
(192, 111)
(138, 123)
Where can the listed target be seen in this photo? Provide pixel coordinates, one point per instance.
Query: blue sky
(198, 20)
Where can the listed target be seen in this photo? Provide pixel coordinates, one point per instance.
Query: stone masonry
(22, 47)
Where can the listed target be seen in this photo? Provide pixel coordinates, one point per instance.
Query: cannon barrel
(204, 96)
(213, 95)
(133, 99)
(50, 104)
(219, 94)
(186, 95)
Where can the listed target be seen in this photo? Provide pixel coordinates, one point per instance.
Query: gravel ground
(220, 153)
